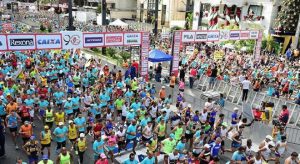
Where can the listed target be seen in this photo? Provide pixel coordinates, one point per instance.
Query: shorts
(46, 145)
(145, 139)
(189, 136)
(119, 112)
(73, 140)
(235, 144)
(25, 139)
(33, 159)
(13, 129)
(171, 86)
(212, 80)
(160, 138)
(111, 148)
(291, 91)
(121, 143)
(123, 118)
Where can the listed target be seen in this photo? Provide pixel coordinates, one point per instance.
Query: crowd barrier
(233, 94)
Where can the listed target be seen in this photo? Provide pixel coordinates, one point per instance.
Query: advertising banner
(3, 45)
(188, 37)
(132, 38)
(176, 51)
(72, 39)
(114, 39)
(213, 36)
(253, 34)
(48, 41)
(21, 41)
(258, 46)
(201, 36)
(93, 40)
(244, 35)
(234, 35)
(224, 35)
(145, 54)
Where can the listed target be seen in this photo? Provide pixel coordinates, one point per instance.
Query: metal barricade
(231, 94)
(293, 135)
(222, 87)
(294, 114)
(277, 106)
(203, 83)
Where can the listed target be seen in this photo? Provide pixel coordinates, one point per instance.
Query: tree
(288, 16)
(189, 21)
(42, 28)
(99, 9)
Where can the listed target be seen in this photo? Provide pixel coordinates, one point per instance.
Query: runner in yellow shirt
(72, 133)
(45, 138)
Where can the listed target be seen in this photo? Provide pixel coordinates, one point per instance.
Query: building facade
(245, 14)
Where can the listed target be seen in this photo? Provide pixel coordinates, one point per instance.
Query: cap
(45, 157)
(46, 127)
(163, 87)
(269, 137)
(131, 110)
(207, 146)
(235, 108)
(272, 143)
(32, 137)
(81, 135)
(189, 105)
(102, 155)
(172, 136)
(70, 121)
(60, 123)
(26, 122)
(69, 98)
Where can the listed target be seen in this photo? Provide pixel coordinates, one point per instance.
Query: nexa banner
(21, 42)
(93, 40)
(48, 41)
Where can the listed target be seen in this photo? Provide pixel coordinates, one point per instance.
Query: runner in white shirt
(245, 86)
(147, 133)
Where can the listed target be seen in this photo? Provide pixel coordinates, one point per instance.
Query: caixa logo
(49, 41)
(72, 39)
(21, 42)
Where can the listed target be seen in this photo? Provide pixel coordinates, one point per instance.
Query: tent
(118, 22)
(159, 56)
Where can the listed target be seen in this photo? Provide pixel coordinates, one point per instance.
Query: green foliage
(99, 9)
(125, 55)
(42, 28)
(111, 52)
(189, 21)
(175, 28)
(49, 29)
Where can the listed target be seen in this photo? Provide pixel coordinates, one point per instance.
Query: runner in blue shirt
(80, 123)
(12, 123)
(98, 147)
(60, 134)
(76, 104)
(131, 159)
(69, 108)
(150, 159)
(131, 135)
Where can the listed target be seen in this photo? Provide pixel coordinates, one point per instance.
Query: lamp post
(70, 6)
(156, 19)
(103, 8)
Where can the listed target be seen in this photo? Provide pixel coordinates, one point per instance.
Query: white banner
(114, 39)
(93, 40)
(48, 41)
(72, 39)
(213, 36)
(176, 51)
(253, 35)
(201, 36)
(188, 37)
(21, 41)
(132, 38)
(224, 35)
(244, 35)
(3, 45)
(234, 35)
(145, 54)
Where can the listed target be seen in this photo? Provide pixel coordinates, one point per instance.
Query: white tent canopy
(118, 22)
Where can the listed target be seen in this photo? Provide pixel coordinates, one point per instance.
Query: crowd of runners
(78, 100)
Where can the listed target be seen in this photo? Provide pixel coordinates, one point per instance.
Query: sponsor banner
(145, 54)
(213, 36)
(176, 51)
(3, 45)
(50, 41)
(224, 35)
(93, 40)
(114, 39)
(187, 37)
(21, 42)
(258, 46)
(244, 35)
(72, 39)
(234, 35)
(132, 38)
(253, 34)
(201, 36)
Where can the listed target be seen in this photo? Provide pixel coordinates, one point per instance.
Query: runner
(60, 134)
(45, 140)
(12, 123)
(32, 149)
(81, 147)
(65, 157)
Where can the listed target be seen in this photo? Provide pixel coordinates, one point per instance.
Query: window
(255, 10)
(113, 6)
(163, 14)
(151, 4)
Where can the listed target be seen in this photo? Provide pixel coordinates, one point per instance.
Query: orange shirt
(11, 107)
(162, 93)
(27, 131)
(173, 80)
